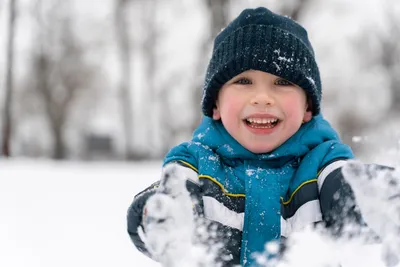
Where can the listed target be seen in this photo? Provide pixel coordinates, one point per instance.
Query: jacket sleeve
(135, 216)
(338, 204)
(135, 211)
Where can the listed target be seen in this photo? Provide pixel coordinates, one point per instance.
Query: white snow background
(74, 214)
(69, 214)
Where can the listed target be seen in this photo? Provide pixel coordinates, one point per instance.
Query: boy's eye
(283, 82)
(243, 81)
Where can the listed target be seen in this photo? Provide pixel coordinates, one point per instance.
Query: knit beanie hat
(259, 39)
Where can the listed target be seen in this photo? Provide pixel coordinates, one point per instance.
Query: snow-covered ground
(74, 214)
(69, 214)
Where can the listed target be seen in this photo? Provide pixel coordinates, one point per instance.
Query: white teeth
(261, 121)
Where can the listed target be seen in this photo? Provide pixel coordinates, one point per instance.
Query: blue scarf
(263, 178)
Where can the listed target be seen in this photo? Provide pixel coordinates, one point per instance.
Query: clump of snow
(250, 172)
(285, 59)
(213, 158)
(377, 192)
(313, 247)
(170, 226)
(356, 139)
(311, 80)
(200, 136)
(278, 68)
(228, 148)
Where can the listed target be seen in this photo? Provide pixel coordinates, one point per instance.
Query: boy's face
(260, 110)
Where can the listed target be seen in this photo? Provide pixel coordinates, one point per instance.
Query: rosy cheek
(293, 107)
(232, 104)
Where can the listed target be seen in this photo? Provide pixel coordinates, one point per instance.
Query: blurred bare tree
(218, 11)
(7, 115)
(150, 50)
(59, 71)
(122, 29)
(390, 55)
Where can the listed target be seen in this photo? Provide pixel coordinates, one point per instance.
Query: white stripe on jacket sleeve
(307, 214)
(328, 170)
(216, 211)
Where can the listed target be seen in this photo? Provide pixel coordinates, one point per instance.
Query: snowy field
(74, 214)
(69, 214)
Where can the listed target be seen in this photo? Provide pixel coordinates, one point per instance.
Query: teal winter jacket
(257, 198)
(263, 181)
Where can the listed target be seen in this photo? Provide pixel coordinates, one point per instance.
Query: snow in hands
(377, 193)
(169, 224)
(171, 230)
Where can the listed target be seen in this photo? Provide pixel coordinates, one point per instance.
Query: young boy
(263, 163)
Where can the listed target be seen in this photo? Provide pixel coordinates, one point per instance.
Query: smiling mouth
(261, 123)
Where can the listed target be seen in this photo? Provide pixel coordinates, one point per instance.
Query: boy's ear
(307, 116)
(216, 113)
(308, 112)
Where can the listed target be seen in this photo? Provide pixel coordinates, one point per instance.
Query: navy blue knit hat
(259, 39)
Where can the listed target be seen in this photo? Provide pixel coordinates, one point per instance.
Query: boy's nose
(262, 98)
